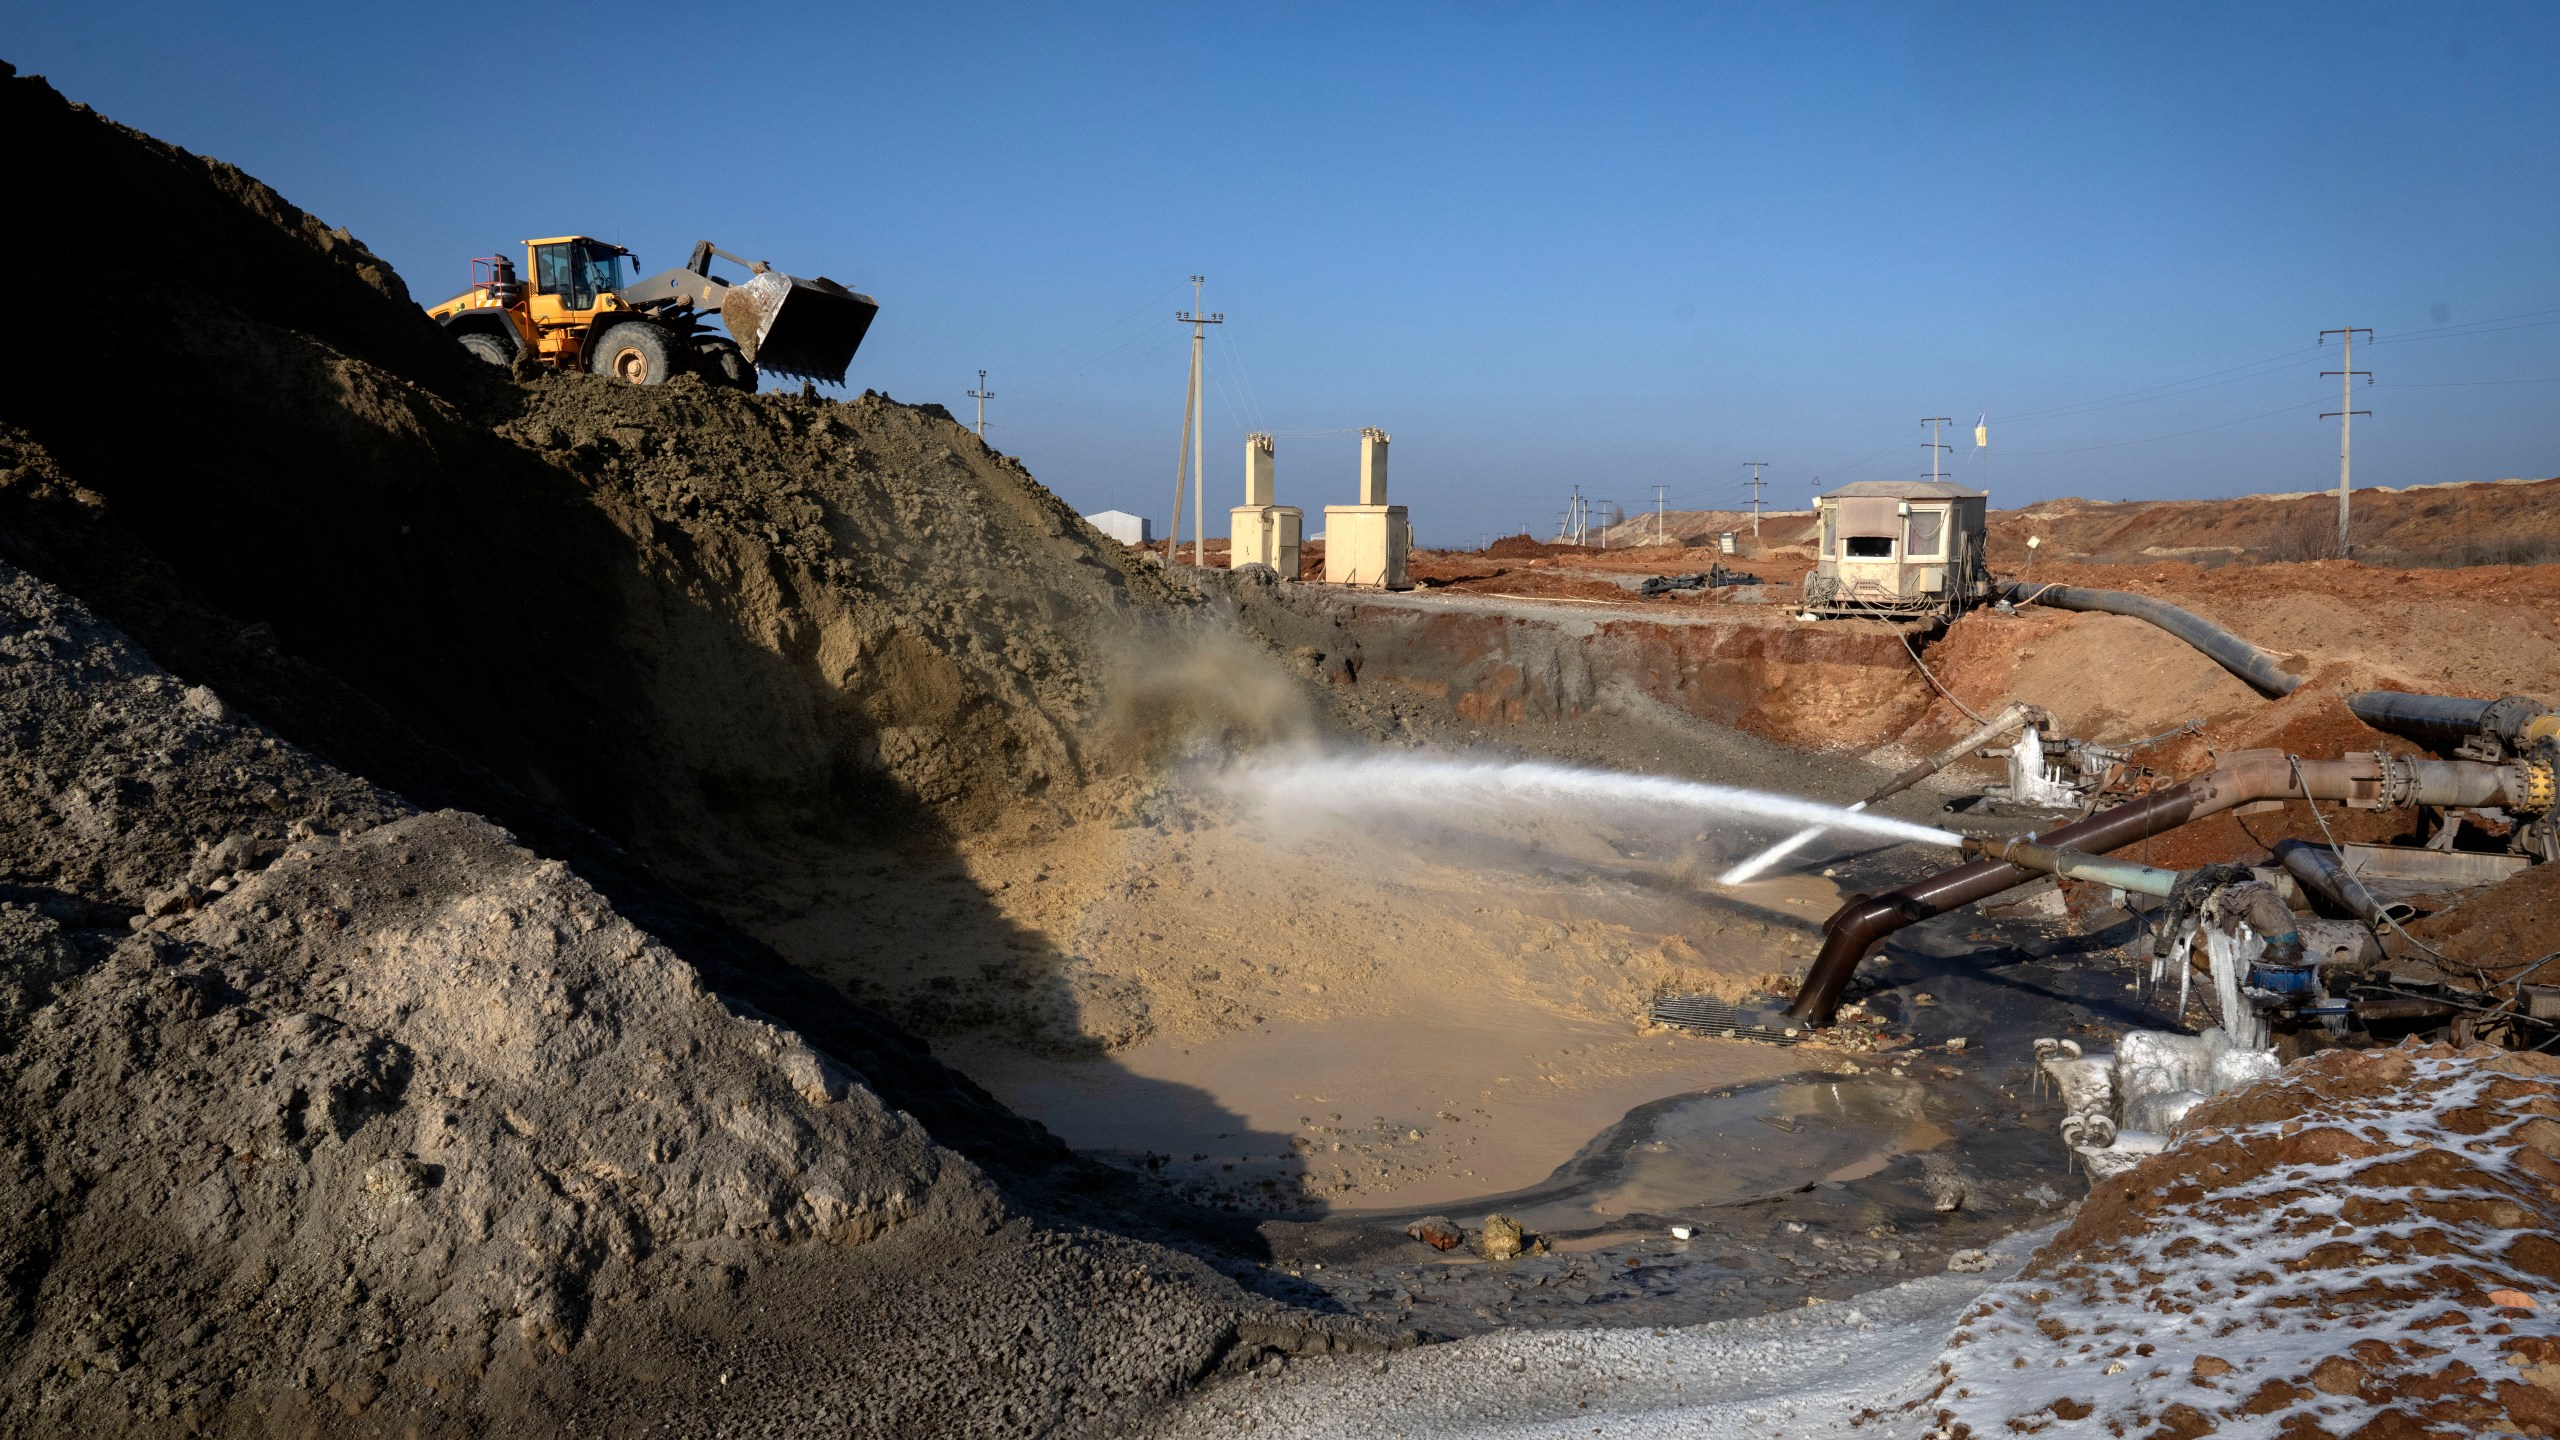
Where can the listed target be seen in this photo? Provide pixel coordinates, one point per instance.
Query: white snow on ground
(1798, 1374)
(2285, 1264)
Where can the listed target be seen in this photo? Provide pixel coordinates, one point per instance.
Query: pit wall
(1838, 685)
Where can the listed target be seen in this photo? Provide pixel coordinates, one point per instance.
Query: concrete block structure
(1258, 531)
(1366, 544)
(1122, 526)
(1373, 467)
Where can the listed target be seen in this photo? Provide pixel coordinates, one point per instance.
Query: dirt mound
(1521, 547)
(2504, 928)
(337, 1106)
(2492, 523)
(325, 1107)
(2360, 1246)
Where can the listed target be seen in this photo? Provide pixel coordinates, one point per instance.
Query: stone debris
(1437, 1231)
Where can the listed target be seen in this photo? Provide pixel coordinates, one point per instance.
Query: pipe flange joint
(2509, 718)
(2531, 785)
(2398, 782)
(2541, 730)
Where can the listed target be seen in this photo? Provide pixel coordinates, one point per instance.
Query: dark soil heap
(364, 1071)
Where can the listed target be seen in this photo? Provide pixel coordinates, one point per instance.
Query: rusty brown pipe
(2250, 775)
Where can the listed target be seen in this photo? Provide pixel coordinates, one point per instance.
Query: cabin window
(1870, 547)
(1830, 524)
(1928, 537)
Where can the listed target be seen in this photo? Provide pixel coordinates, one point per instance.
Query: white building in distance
(1122, 526)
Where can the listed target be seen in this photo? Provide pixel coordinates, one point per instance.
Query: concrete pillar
(1257, 470)
(1373, 467)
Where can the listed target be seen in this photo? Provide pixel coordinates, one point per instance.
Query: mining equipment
(580, 313)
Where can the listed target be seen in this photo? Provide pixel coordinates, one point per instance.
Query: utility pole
(1933, 447)
(1194, 414)
(982, 395)
(1658, 492)
(2345, 414)
(1755, 466)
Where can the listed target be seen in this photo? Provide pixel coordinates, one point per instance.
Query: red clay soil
(2362, 1245)
(2504, 928)
(2430, 525)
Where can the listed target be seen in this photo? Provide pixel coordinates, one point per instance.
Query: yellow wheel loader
(580, 313)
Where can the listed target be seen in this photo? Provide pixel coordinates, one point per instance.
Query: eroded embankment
(1492, 663)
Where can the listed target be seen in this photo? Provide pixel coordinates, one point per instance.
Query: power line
(2345, 414)
(2172, 435)
(982, 395)
(1193, 437)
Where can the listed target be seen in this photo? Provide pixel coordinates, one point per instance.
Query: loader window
(577, 272)
(1870, 547)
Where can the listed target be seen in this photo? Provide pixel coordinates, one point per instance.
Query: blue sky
(1543, 246)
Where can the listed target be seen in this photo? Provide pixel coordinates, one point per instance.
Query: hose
(2263, 669)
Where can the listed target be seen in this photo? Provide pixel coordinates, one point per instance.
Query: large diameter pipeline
(2318, 868)
(2248, 776)
(2443, 721)
(2263, 669)
(2420, 717)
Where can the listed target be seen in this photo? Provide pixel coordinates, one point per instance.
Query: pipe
(2445, 720)
(2263, 669)
(2421, 717)
(2318, 868)
(2076, 865)
(2250, 775)
(2018, 713)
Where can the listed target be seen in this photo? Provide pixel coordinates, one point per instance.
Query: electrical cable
(2295, 762)
(1933, 680)
(2173, 435)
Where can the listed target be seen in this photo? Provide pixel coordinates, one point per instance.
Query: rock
(2209, 1368)
(1948, 1186)
(1437, 1231)
(1503, 1239)
(2337, 1375)
(1968, 1262)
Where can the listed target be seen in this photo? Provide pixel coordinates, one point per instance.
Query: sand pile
(322, 1110)
(2360, 1246)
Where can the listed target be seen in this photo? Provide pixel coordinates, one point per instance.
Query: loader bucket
(803, 328)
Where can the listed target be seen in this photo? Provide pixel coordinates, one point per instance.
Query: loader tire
(640, 351)
(721, 363)
(485, 346)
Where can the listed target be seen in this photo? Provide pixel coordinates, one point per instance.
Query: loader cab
(572, 275)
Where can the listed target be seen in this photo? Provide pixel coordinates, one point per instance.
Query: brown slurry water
(1381, 1016)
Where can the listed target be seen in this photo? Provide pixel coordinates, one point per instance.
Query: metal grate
(1722, 1019)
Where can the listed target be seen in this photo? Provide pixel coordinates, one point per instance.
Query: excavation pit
(1325, 1007)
